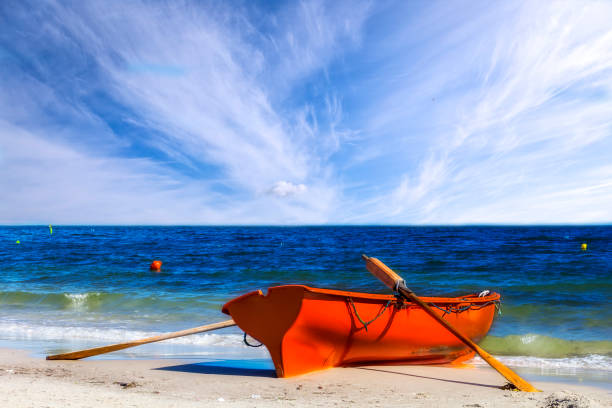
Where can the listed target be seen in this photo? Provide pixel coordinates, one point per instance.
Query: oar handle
(384, 273)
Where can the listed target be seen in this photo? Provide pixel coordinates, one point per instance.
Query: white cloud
(286, 188)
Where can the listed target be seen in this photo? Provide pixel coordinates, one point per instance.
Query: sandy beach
(34, 382)
(199, 196)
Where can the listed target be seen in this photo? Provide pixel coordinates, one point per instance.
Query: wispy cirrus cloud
(189, 94)
(518, 120)
(306, 112)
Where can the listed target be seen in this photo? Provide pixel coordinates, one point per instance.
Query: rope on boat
(447, 309)
(399, 303)
(451, 309)
(249, 344)
(365, 324)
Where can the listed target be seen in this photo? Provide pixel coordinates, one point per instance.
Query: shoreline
(28, 382)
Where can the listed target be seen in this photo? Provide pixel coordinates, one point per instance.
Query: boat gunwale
(469, 298)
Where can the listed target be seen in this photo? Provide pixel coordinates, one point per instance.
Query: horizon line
(602, 224)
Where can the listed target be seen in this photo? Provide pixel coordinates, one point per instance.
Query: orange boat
(308, 329)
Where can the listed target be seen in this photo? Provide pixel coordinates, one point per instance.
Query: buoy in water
(156, 266)
(17, 242)
(583, 246)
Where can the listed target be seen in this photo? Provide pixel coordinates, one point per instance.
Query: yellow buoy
(17, 242)
(50, 229)
(583, 246)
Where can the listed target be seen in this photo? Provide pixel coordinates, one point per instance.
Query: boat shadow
(223, 368)
(220, 368)
(429, 378)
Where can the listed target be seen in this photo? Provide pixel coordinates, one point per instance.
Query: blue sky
(309, 112)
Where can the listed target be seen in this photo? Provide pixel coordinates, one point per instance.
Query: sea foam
(22, 331)
(567, 365)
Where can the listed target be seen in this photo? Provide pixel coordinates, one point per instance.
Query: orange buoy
(156, 266)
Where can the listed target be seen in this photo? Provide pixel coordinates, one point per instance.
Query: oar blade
(77, 355)
(506, 372)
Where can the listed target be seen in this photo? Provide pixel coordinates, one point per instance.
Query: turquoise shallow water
(90, 285)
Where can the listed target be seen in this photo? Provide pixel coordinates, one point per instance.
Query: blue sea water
(84, 286)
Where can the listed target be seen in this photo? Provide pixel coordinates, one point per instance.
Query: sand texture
(33, 382)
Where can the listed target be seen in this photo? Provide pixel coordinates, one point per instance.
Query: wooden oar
(75, 355)
(395, 282)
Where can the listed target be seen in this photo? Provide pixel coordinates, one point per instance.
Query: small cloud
(286, 188)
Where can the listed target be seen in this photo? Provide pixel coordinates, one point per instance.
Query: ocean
(86, 286)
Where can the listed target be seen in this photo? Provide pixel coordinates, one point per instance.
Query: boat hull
(307, 329)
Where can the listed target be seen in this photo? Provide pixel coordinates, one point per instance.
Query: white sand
(31, 382)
